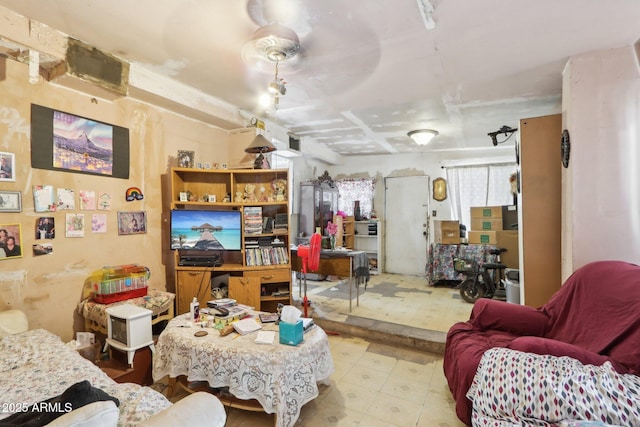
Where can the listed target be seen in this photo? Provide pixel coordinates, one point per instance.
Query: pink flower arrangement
(332, 228)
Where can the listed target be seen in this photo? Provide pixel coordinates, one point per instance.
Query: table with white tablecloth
(281, 377)
(159, 302)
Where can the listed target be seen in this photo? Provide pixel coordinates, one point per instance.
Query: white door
(406, 224)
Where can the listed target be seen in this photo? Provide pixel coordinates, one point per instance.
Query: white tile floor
(406, 300)
(376, 384)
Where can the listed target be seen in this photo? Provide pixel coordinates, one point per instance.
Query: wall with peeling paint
(48, 287)
(382, 166)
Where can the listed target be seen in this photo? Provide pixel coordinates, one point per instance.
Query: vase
(356, 210)
(332, 240)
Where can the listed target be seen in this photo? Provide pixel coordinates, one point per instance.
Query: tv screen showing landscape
(206, 230)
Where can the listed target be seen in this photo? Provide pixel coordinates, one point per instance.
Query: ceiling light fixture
(277, 88)
(422, 136)
(273, 43)
(506, 130)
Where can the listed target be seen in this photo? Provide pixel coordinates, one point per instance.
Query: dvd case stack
(273, 253)
(252, 220)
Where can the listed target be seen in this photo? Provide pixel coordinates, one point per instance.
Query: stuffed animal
(250, 193)
(280, 189)
(239, 197)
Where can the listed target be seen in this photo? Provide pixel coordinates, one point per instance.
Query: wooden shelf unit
(346, 230)
(370, 243)
(250, 283)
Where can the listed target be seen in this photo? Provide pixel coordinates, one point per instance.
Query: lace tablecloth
(281, 377)
(158, 302)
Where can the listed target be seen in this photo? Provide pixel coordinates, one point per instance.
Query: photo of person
(186, 158)
(7, 166)
(132, 223)
(45, 228)
(10, 241)
(3, 242)
(42, 249)
(12, 249)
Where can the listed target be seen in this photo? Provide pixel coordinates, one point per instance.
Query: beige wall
(53, 283)
(600, 188)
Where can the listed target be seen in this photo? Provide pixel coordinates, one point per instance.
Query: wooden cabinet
(346, 230)
(245, 290)
(368, 238)
(193, 283)
(539, 208)
(273, 286)
(259, 273)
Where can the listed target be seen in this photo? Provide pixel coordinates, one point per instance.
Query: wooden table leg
(171, 387)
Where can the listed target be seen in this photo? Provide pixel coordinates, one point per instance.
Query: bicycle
(482, 280)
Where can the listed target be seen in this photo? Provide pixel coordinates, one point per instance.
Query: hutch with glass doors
(318, 204)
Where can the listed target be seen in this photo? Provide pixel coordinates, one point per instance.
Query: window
(482, 185)
(351, 190)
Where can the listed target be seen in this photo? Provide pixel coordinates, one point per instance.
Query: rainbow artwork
(133, 193)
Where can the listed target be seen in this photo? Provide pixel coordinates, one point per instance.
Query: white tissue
(290, 314)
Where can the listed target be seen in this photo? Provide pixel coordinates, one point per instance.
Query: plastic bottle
(194, 309)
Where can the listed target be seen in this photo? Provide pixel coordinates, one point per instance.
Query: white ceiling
(368, 71)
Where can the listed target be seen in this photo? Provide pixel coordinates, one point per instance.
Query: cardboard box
(486, 224)
(476, 237)
(446, 232)
(486, 212)
(508, 239)
(291, 333)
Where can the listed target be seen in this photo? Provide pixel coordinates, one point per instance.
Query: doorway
(406, 224)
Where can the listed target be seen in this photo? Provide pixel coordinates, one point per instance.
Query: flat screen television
(206, 230)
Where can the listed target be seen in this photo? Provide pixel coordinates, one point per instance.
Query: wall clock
(565, 148)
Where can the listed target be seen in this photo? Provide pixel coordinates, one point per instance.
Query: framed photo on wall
(7, 166)
(67, 142)
(10, 201)
(46, 228)
(11, 238)
(132, 223)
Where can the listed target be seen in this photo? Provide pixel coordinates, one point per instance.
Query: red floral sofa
(593, 318)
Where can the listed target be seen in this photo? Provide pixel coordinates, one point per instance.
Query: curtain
(483, 185)
(350, 190)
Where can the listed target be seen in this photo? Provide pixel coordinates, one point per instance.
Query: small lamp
(260, 145)
(422, 136)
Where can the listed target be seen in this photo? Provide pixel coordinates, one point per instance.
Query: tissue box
(291, 333)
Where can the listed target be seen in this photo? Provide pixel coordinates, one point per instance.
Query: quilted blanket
(36, 365)
(513, 388)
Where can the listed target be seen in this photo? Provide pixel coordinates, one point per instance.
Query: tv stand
(260, 272)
